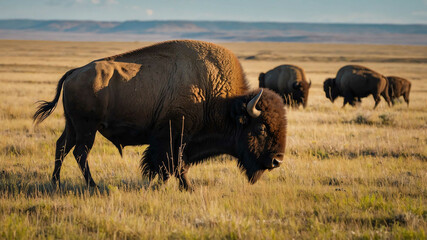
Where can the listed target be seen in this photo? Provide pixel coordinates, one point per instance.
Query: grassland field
(352, 173)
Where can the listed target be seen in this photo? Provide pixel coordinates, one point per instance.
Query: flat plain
(349, 172)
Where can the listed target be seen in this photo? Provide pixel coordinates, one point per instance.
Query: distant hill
(213, 31)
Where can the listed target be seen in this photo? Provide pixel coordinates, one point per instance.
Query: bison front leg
(406, 97)
(358, 101)
(165, 158)
(181, 173)
(154, 162)
(161, 157)
(407, 101)
(348, 100)
(184, 183)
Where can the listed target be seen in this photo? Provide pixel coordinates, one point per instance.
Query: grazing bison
(131, 98)
(354, 82)
(288, 81)
(398, 87)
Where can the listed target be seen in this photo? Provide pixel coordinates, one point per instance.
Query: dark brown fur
(289, 81)
(399, 87)
(354, 82)
(130, 99)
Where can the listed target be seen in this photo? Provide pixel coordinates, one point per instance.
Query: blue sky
(327, 11)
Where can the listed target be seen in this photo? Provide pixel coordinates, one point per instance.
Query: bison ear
(238, 112)
(261, 80)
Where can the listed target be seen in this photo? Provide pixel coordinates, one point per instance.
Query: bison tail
(46, 108)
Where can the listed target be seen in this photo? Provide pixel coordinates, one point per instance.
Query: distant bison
(289, 81)
(399, 87)
(131, 98)
(354, 82)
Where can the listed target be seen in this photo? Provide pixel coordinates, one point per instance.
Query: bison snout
(275, 163)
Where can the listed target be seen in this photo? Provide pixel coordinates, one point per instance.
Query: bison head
(330, 89)
(300, 92)
(261, 137)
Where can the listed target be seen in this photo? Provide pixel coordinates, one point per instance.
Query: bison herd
(352, 82)
(190, 101)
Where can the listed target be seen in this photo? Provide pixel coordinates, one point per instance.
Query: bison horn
(251, 107)
(309, 84)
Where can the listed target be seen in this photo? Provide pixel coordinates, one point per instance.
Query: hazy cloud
(420, 13)
(104, 2)
(149, 12)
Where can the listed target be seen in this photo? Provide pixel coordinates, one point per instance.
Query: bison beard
(131, 98)
(252, 170)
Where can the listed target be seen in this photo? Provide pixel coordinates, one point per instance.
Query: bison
(132, 98)
(398, 87)
(289, 81)
(354, 82)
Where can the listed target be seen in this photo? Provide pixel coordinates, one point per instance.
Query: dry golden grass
(349, 173)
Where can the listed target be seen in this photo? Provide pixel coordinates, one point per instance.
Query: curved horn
(309, 84)
(251, 107)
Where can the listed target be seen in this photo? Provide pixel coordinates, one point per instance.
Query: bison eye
(260, 129)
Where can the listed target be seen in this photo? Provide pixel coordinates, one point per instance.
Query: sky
(313, 11)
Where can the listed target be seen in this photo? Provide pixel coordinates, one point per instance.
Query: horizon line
(182, 20)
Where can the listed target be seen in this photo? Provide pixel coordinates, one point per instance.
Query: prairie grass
(349, 173)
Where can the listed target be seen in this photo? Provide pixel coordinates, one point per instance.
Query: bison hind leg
(63, 146)
(386, 97)
(85, 137)
(377, 99)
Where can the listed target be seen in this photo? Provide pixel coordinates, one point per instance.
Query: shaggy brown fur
(289, 81)
(354, 82)
(130, 99)
(399, 87)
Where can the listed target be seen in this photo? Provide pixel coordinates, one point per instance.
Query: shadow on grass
(12, 184)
